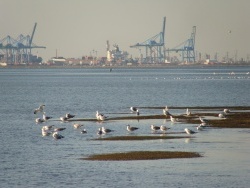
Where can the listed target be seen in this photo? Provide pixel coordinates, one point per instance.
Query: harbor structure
(19, 50)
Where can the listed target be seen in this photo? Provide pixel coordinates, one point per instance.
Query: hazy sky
(77, 27)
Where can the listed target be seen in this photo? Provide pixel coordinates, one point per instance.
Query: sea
(28, 159)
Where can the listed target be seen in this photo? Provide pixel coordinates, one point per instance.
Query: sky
(76, 28)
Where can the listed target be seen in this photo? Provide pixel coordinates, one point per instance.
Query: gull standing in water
(47, 127)
(205, 121)
(188, 113)
(104, 130)
(77, 125)
(173, 119)
(100, 116)
(137, 112)
(165, 111)
(56, 135)
(130, 129)
(163, 128)
(68, 116)
(226, 111)
(39, 120)
(188, 131)
(221, 115)
(133, 109)
(154, 128)
(46, 118)
(39, 109)
(63, 119)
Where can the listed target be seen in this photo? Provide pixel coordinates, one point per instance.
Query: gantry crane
(154, 47)
(186, 48)
(18, 50)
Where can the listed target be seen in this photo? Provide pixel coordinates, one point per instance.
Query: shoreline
(146, 66)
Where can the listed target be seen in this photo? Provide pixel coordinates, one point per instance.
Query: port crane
(154, 47)
(186, 48)
(18, 50)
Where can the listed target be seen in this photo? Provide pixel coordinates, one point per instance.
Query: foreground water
(30, 160)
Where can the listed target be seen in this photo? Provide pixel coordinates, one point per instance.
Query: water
(29, 160)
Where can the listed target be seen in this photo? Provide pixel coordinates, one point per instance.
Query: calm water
(29, 160)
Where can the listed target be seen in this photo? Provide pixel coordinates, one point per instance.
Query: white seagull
(39, 109)
(137, 112)
(45, 133)
(173, 119)
(100, 116)
(226, 111)
(221, 115)
(200, 127)
(104, 130)
(203, 120)
(164, 128)
(188, 131)
(165, 112)
(188, 113)
(45, 118)
(154, 128)
(63, 119)
(68, 116)
(47, 127)
(133, 109)
(39, 120)
(77, 125)
(56, 135)
(130, 129)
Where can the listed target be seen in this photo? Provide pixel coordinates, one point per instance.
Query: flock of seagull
(54, 131)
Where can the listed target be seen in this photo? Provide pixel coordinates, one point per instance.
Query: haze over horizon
(76, 28)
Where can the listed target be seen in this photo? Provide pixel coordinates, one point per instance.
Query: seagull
(84, 131)
(226, 111)
(173, 119)
(39, 120)
(188, 131)
(99, 132)
(203, 120)
(59, 129)
(45, 133)
(47, 127)
(133, 109)
(39, 109)
(200, 127)
(100, 116)
(76, 125)
(163, 128)
(104, 130)
(188, 113)
(166, 112)
(137, 112)
(221, 115)
(45, 118)
(68, 116)
(63, 119)
(130, 129)
(154, 128)
(56, 135)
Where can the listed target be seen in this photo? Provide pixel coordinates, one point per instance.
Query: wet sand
(142, 155)
(239, 117)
